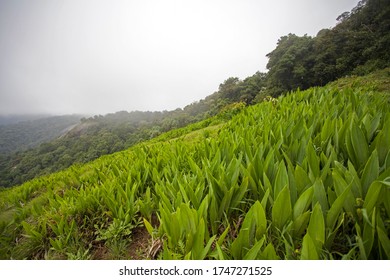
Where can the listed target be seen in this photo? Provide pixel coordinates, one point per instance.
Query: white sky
(102, 56)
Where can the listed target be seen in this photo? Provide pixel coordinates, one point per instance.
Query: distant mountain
(26, 131)
(13, 119)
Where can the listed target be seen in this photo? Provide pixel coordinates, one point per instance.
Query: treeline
(358, 44)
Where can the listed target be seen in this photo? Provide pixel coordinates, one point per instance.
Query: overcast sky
(102, 56)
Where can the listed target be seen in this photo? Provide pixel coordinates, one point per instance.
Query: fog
(100, 56)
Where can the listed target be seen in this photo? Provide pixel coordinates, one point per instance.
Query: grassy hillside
(304, 176)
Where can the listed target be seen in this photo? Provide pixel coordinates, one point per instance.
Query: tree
(229, 89)
(290, 64)
(251, 87)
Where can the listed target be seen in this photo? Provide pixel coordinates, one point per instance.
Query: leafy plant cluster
(305, 176)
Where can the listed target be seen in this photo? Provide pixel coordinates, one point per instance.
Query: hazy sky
(101, 56)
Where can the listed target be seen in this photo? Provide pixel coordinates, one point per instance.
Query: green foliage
(358, 44)
(305, 176)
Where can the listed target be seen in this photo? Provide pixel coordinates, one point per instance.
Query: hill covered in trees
(18, 133)
(357, 45)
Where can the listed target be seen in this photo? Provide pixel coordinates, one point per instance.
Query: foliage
(358, 44)
(304, 176)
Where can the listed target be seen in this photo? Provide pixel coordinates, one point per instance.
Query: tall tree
(290, 64)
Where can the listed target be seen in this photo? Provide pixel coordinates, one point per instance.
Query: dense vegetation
(303, 176)
(359, 44)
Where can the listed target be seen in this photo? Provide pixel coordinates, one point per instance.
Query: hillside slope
(101, 135)
(304, 176)
(30, 133)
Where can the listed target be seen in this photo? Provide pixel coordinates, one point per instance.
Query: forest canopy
(358, 44)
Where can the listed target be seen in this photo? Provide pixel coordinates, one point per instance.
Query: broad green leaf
(374, 123)
(253, 228)
(239, 244)
(267, 183)
(220, 252)
(372, 196)
(292, 183)
(300, 224)
(302, 150)
(225, 206)
(340, 185)
(316, 227)
(240, 192)
(260, 219)
(331, 196)
(207, 248)
(253, 252)
(320, 195)
(148, 227)
(187, 218)
(327, 130)
(309, 249)
(202, 210)
(336, 208)
(313, 161)
(352, 176)
(351, 152)
(370, 172)
(269, 253)
(264, 200)
(269, 162)
(369, 233)
(281, 179)
(303, 203)
(359, 144)
(281, 210)
(189, 256)
(213, 214)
